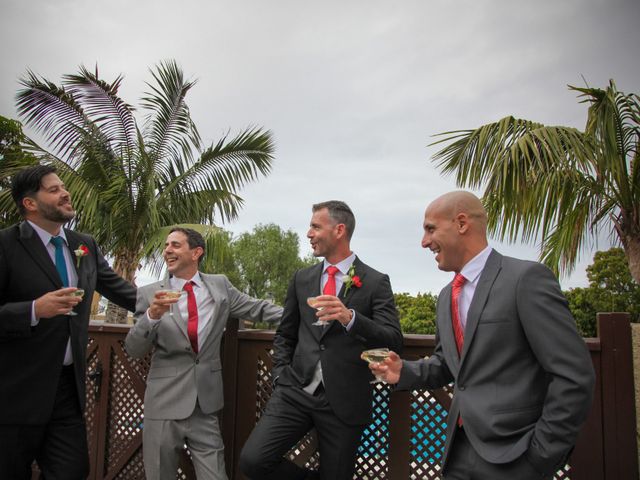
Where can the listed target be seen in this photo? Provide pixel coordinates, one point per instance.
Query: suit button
(197, 361)
(186, 349)
(322, 347)
(461, 387)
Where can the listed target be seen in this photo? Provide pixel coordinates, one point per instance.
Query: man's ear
(462, 222)
(198, 252)
(29, 204)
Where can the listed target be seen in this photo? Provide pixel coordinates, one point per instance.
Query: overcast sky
(352, 90)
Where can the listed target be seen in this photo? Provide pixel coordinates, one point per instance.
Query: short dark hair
(194, 239)
(27, 182)
(339, 213)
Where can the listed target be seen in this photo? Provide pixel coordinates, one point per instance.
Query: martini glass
(375, 355)
(77, 293)
(171, 294)
(312, 302)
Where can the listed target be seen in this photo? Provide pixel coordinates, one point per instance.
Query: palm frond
(53, 111)
(221, 169)
(551, 182)
(112, 116)
(171, 132)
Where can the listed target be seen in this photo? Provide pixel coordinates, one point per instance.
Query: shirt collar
(343, 265)
(46, 236)
(178, 283)
(473, 268)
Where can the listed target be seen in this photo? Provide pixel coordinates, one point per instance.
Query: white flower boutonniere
(81, 251)
(351, 279)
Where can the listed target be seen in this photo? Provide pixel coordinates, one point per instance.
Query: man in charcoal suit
(184, 385)
(523, 376)
(42, 346)
(320, 380)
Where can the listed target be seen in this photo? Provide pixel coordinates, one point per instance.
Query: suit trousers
(464, 463)
(163, 440)
(59, 447)
(290, 414)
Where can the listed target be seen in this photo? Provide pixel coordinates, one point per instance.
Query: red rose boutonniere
(82, 251)
(351, 279)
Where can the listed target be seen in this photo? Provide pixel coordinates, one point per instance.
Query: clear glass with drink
(76, 293)
(312, 302)
(375, 355)
(171, 294)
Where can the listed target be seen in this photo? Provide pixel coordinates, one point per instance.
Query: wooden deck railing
(405, 438)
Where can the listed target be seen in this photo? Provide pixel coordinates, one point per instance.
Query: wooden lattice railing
(406, 434)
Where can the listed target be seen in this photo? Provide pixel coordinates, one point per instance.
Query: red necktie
(456, 288)
(192, 325)
(458, 331)
(330, 286)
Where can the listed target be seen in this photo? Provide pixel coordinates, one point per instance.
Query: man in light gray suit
(184, 384)
(523, 376)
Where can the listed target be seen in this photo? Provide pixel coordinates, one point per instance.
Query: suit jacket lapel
(487, 278)
(310, 287)
(74, 244)
(217, 297)
(359, 269)
(447, 336)
(36, 249)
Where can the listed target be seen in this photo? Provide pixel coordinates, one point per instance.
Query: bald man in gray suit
(523, 376)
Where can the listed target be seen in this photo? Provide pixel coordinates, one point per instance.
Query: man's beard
(54, 214)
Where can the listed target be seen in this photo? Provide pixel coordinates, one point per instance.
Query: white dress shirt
(343, 268)
(71, 273)
(204, 302)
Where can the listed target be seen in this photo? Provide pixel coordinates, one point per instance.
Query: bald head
(454, 203)
(455, 229)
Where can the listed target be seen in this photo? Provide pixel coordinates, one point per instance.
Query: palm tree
(130, 183)
(558, 183)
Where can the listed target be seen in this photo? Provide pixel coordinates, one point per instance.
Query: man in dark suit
(320, 380)
(505, 337)
(42, 344)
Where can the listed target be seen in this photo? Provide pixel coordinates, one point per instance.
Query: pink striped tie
(456, 288)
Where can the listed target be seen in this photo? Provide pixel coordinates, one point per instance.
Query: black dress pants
(59, 446)
(290, 414)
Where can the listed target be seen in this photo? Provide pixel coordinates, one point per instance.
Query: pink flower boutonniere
(82, 251)
(351, 279)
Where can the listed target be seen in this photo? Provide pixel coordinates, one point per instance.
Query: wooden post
(618, 412)
(230, 386)
(399, 435)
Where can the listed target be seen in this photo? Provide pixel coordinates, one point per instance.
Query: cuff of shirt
(152, 321)
(34, 320)
(353, 319)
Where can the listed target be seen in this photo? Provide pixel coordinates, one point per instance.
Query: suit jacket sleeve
(430, 373)
(382, 329)
(15, 317)
(142, 335)
(111, 285)
(286, 336)
(246, 307)
(552, 335)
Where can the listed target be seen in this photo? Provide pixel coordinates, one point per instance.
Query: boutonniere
(82, 251)
(351, 279)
